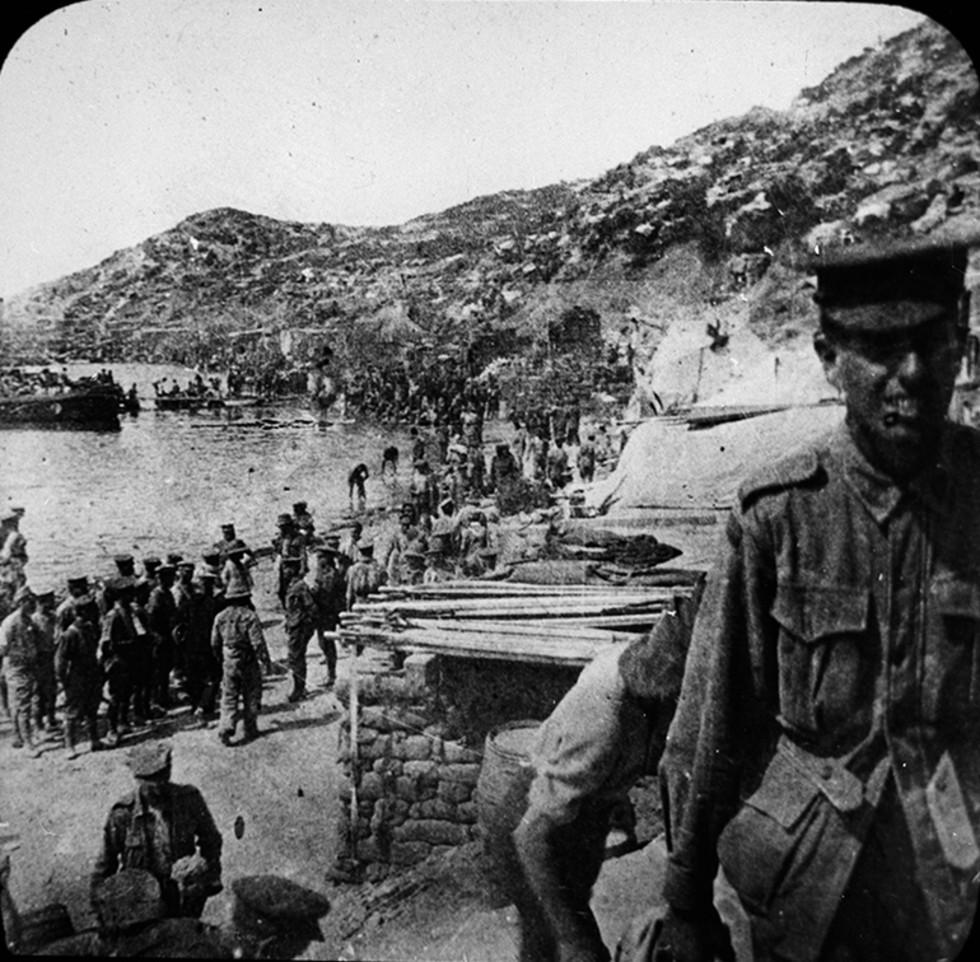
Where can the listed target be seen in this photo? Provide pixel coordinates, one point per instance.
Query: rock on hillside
(886, 145)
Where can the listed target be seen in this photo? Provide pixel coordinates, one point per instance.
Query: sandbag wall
(420, 733)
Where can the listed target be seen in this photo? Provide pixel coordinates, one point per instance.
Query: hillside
(677, 237)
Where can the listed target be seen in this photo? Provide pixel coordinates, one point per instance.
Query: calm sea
(168, 480)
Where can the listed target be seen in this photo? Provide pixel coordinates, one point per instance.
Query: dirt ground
(284, 787)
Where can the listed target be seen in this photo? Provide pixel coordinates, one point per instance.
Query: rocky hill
(691, 234)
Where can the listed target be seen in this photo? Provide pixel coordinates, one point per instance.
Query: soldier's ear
(829, 356)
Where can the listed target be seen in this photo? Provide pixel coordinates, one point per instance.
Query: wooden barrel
(41, 926)
(501, 798)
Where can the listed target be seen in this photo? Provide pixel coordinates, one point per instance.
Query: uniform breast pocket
(824, 661)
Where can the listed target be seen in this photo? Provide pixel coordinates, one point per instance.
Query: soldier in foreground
(546, 833)
(824, 746)
(160, 827)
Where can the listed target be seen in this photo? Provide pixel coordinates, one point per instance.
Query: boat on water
(187, 402)
(95, 408)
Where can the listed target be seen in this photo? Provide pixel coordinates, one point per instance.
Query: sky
(119, 118)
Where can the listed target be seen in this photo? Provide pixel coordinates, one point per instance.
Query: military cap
(127, 898)
(174, 559)
(229, 528)
(122, 559)
(166, 569)
(18, 510)
(151, 563)
(284, 519)
(211, 556)
(261, 901)
(46, 595)
(9, 515)
(366, 545)
(78, 583)
(300, 507)
(889, 287)
(150, 759)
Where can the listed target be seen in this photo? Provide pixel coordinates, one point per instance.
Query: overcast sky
(118, 118)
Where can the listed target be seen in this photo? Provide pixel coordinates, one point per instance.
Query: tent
(667, 465)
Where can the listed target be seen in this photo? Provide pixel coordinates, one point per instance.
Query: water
(168, 480)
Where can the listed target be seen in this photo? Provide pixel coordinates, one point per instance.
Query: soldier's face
(897, 388)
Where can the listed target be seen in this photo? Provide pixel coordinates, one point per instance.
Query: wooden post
(354, 760)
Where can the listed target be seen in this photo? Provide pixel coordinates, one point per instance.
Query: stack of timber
(507, 620)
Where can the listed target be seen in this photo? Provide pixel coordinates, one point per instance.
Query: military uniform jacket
(837, 647)
(20, 641)
(300, 606)
(237, 635)
(131, 838)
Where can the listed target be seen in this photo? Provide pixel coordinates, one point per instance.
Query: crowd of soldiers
(178, 630)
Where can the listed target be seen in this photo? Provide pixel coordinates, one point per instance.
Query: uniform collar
(879, 492)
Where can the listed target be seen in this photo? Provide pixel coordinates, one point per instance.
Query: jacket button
(826, 772)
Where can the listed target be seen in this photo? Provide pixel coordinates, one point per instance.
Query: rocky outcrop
(888, 144)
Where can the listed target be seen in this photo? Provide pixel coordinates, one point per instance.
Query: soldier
(356, 494)
(546, 830)
(161, 613)
(413, 566)
(350, 550)
(585, 461)
(156, 825)
(437, 567)
(64, 614)
(203, 672)
(328, 593)
(300, 624)
(19, 643)
(303, 521)
(13, 549)
(123, 646)
(184, 594)
(288, 543)
(151, 565)
(239, 646)
(824, 746)
(228, 538)
(78, 670)
(365, 577)
(47, 683)
(236, 579)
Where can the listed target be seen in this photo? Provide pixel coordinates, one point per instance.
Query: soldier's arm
(209, 840)
(216, 638)
(719, 719)
(257, 639)
(107, 862)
